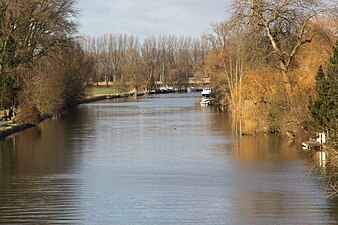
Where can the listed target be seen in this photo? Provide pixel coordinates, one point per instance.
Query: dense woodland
(264, 59)
(42, 67)
(168, 59)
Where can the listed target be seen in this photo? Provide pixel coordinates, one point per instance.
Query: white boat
(191, 89)
(206, 101)
(206, 92)
(206, 96)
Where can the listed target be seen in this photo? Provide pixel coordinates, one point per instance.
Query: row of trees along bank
(264, 59)
(42, 68)
(168, 59)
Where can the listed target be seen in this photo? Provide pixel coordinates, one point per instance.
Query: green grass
(4, 124)
(107, 90)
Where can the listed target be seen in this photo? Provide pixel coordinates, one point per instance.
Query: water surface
(156, 160)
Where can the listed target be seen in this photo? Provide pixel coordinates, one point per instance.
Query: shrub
(28, 113)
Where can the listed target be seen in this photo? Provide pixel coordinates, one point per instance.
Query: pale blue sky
(150, 17)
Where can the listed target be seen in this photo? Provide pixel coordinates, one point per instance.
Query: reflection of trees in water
(252, 147)
(50, 147)
(322, 167)
(218, 119)
(273, 147)
(333, 209)
(328, 173)
(33, 165)
(265, 147)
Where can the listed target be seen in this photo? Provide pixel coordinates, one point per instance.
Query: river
(160, 159)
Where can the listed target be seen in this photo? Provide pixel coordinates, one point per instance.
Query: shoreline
(14, 128)
(108, 96)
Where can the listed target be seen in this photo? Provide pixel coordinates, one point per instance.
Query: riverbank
(12, 129)
(109, 96)
(8, 128)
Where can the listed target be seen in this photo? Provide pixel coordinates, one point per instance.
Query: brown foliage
(214, 66)
(263, 87)
(179, 77)
(314, 54)
(123, 58)
(28, 113)
(6, 96)
(260, 97)
(43, 88)
(32, 29)
(75, 67)
(263, 101)
(285, 27)
(227, 68)
(55, 83)
(273, 111)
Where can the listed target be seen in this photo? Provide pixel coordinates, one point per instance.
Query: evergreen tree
(320, 74)
(325, 108)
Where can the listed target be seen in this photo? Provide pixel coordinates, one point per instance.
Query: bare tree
(32, 29)
(285, 25)
(126, 60)
(227, 61)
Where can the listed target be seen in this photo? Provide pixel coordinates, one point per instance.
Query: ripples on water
(157, 160)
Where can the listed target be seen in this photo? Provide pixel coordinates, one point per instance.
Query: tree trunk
(106, 78)
(287, 84)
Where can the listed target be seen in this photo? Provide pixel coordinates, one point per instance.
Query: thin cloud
(150, 17)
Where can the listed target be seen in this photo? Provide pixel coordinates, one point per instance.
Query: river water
(161, 159)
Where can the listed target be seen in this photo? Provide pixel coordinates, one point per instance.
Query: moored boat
(206, 92)
(205, 101)
(191, 89)
(206, 97)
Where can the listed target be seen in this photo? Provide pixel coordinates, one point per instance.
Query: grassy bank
(111, 90)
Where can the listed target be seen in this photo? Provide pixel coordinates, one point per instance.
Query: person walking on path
(5, 115)
(10, 113)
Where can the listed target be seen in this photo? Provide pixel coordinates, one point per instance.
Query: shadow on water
(35, 183)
